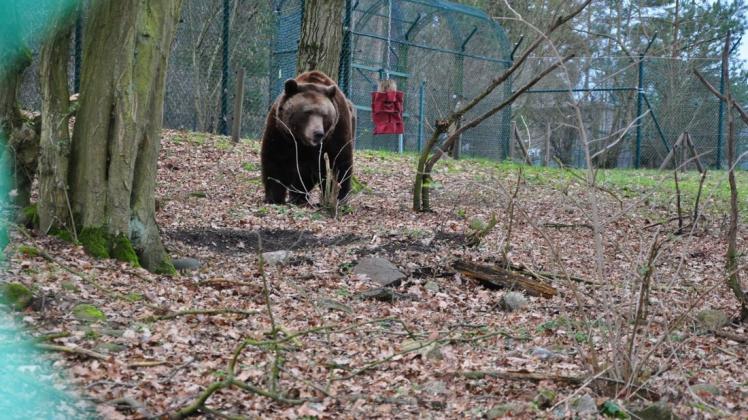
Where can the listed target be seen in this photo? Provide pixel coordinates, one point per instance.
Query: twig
(568, 225)
(731, 336)
(148, 363)
(72, 350)
(222, 311)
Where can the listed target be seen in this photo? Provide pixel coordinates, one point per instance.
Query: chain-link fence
(440, 54)
(627, 124)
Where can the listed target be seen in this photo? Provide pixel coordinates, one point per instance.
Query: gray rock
(186, 264)
(656, 411)
(325, 303)
(512, 301)
(432, 286)
(543, 353)
(435, 388)
(584, 405)
(712, 319)
(276, 257)
(380, 271)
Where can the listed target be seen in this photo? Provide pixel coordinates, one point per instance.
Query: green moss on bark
(30, 216)
(122, 250)
(63, 234)
(166, 268)
(95, 241)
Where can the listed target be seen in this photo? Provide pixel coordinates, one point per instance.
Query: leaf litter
(166, 339)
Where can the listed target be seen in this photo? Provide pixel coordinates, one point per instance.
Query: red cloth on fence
(387, 112)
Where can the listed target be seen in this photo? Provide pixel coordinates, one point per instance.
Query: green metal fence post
(421, 112)
(639, 104)
(223, 126)
(639, 100)
(720, 119)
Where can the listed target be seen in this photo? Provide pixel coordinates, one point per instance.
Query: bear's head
(308, 111)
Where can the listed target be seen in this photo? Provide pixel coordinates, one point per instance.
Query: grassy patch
(626, 183)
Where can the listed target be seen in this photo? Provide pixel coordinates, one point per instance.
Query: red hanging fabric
(387, 112)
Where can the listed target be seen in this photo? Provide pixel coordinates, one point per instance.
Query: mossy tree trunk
(321, 37)
(54, 211)
(117, 132)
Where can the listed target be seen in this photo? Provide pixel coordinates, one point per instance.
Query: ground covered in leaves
(442, 346)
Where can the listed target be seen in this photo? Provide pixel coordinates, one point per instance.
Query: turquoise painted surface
(30, 387)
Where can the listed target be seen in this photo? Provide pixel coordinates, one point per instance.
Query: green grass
(659, 186)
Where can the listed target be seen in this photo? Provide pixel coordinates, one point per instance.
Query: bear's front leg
(275, 192)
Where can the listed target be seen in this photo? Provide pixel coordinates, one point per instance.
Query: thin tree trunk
(117, 133)
(321, 37)
(54, 154)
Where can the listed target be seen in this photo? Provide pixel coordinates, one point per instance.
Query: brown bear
(312, 117)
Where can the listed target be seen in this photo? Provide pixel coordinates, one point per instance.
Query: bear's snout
(317, 137)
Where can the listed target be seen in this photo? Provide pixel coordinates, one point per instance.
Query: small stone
(705, 390)
(334, 305)
(186, 264)
(512, 301)
(435, 388)
(712, 319)
(543, 354)
(584, 405)
(656, 411)
(432, 286)
(276, 257)
(380, 271)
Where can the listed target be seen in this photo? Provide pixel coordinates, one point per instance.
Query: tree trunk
(117, 134)
(321, 37)
(54, 153)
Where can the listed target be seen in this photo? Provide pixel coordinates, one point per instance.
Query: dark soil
(230, 241)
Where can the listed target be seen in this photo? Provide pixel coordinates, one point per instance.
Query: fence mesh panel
(441, 55)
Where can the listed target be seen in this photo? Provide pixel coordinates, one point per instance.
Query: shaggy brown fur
(310, 118)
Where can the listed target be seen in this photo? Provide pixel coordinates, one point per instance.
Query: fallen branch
(499, 277)
(730, 336)
(189, 312)
(568, 225)
(518, 375)
(72, 350)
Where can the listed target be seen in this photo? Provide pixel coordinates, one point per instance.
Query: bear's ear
(291, 87)
(330, 91)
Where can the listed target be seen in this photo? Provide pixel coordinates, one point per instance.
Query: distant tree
(321, 37)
